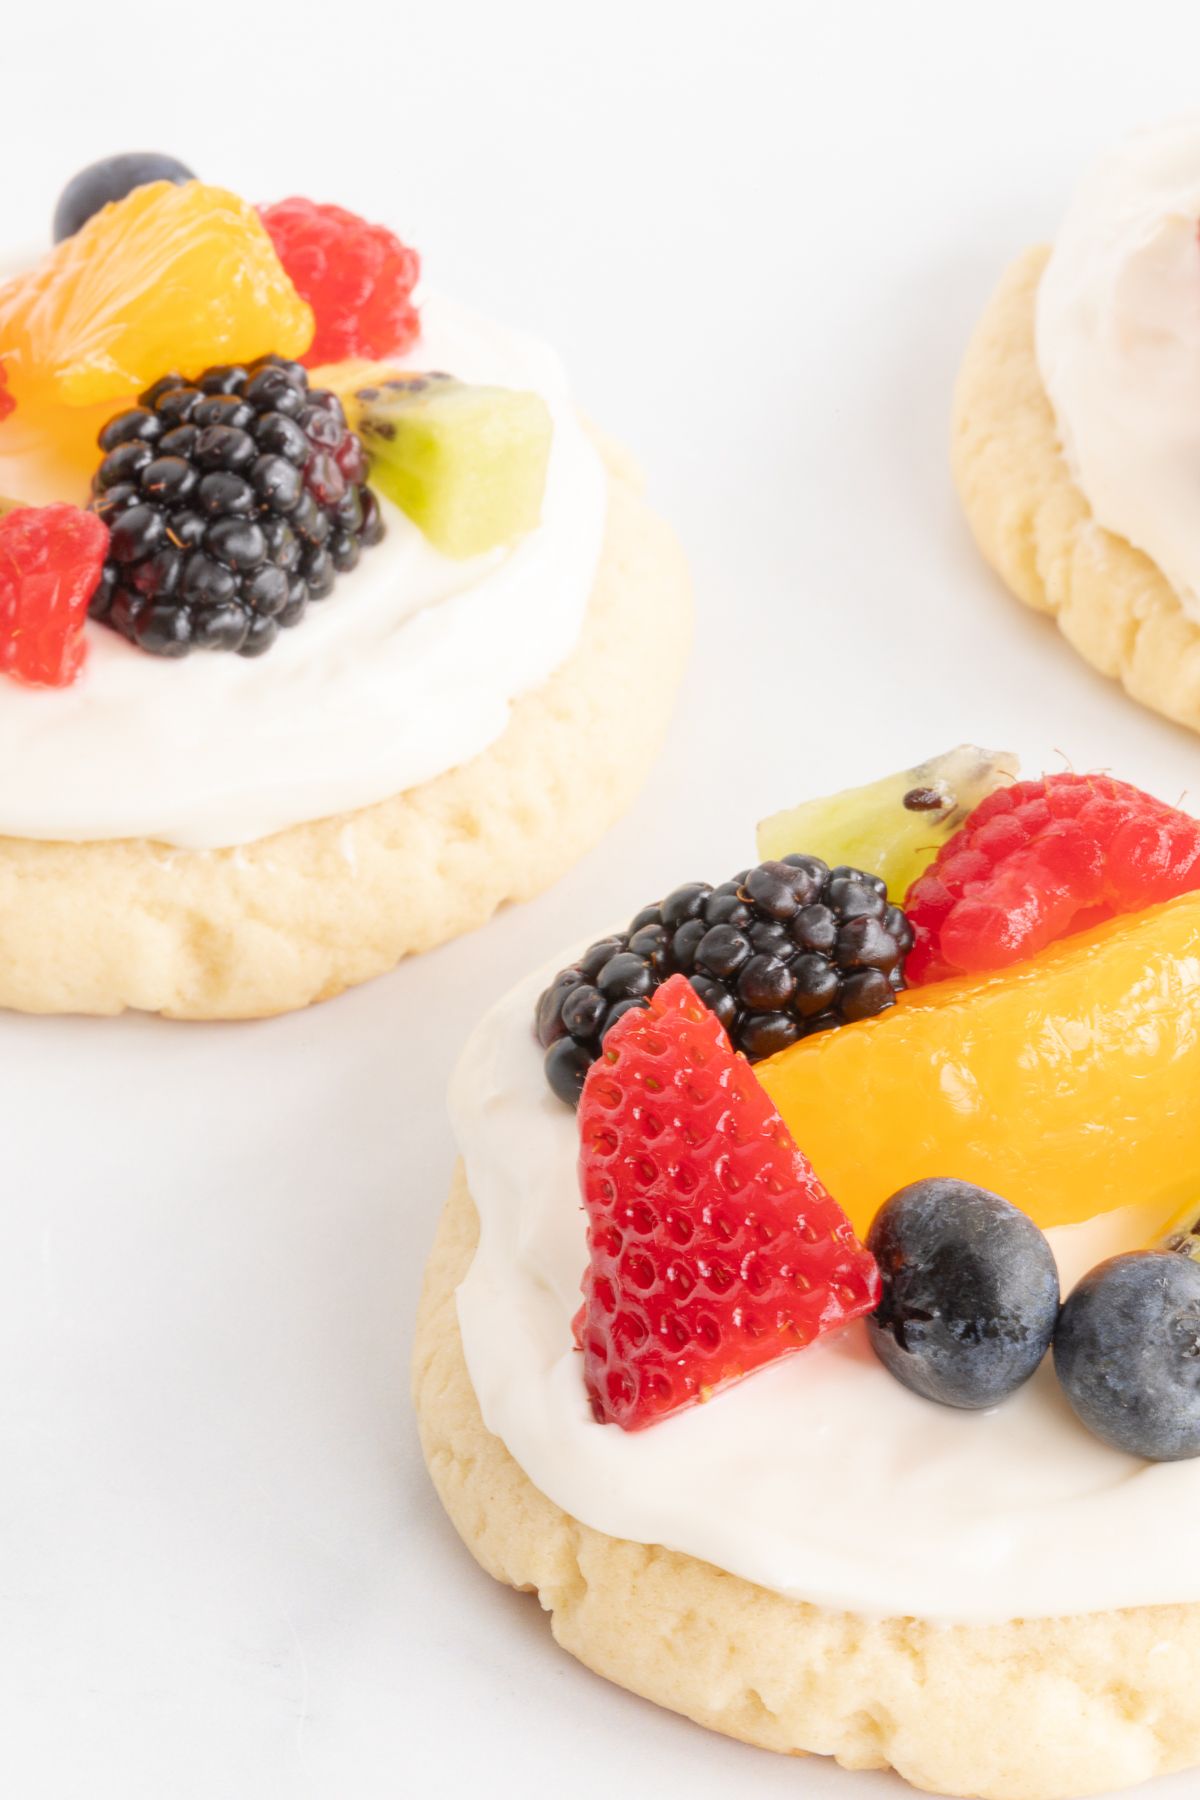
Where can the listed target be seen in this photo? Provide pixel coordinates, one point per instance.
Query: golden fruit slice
(171, 277)
(1070, 1084)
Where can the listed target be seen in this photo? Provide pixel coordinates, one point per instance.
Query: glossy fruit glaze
(1068, 1084)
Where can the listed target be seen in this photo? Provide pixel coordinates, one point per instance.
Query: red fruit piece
(358, 279)
(50, 563)
(1042, 859)
(714, 1248)
(6, 400)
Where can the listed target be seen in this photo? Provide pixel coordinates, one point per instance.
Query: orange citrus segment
(1069, 1084)
(170, 278)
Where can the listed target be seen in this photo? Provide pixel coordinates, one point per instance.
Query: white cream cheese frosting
(819, 1477)
(406, 670)
(1118, 346)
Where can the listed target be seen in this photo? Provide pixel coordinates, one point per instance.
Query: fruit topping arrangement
(1052, 1057)
(174, 324)
(713, 1248)
(231, 501)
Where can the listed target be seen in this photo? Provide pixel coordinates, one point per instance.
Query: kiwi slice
(466, 463)
(894, 827)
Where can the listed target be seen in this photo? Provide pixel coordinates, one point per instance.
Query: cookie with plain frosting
(1035, 526)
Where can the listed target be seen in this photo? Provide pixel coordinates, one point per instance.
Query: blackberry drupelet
(231, 501)
(783, 950)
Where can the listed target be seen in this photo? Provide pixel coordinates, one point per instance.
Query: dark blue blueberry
(1127, 1352)
(111, 179)
(970, 1292)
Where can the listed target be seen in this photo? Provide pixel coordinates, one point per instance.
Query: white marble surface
(760, 238)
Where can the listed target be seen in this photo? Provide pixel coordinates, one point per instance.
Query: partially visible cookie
(1036, 1709)
(1035, 527)
(278, 923)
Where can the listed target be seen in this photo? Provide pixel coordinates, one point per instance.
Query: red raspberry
(358, 279)
(50, 563)
(6, 400)
(714, 1248)
(1042, 859)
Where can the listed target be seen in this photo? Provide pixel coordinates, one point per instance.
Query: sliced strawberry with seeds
(714, 1249)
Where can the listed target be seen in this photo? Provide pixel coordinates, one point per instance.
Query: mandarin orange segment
(1069, 1083)
(170, 278)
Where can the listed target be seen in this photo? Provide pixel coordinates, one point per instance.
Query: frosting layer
(406, 670)
(820, 1477)
(1118, 344)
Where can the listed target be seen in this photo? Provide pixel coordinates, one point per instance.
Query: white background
(760, 234)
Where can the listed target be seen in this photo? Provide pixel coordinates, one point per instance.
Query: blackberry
(231, 501)
(783, 950)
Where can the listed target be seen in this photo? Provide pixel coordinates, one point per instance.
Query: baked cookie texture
(1034, 1709)
(1035, 527)
(273, 925)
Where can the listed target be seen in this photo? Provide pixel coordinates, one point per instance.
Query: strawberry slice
(714, 1248)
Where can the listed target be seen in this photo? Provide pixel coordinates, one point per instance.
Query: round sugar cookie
(1036, 1709)
(286, 920)
(1035, 527)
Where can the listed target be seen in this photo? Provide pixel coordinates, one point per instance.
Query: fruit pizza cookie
(1076, 440)
(315, 605)
(814, 1323)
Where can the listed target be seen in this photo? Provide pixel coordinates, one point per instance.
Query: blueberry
(111, 179)
(970, 1292)
(1127, 1352)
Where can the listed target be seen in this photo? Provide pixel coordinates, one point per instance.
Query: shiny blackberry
(782, 951)
(232, 501)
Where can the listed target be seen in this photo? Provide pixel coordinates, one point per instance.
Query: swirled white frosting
(409, 668)
(1118, 346)
(820, 1476)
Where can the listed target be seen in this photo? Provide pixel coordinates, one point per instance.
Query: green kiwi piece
(466, 463)
(894, 827)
